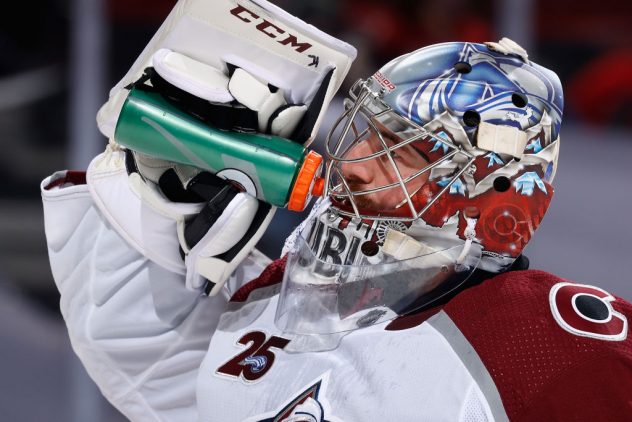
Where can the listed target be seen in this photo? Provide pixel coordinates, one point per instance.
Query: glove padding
(304, 63)
(274, 115)
(228, 222)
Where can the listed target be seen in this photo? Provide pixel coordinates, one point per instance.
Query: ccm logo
(270, 29)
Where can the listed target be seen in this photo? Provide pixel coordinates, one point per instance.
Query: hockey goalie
(404, 295)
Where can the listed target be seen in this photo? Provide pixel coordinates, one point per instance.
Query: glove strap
(217, 201)
(236, 254)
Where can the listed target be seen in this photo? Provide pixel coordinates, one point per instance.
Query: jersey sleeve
(597, 390)
(140, 334)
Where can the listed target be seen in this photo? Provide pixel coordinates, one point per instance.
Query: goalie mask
(442, 162)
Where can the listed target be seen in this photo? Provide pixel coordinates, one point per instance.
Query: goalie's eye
(404, 154)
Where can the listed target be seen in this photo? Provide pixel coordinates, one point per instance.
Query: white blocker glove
(249, 54)
(217, 238)
(243, 66)
(176, 76)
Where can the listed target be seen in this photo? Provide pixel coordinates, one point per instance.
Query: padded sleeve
(138, 331)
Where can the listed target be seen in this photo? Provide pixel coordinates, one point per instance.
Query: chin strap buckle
(471, 217)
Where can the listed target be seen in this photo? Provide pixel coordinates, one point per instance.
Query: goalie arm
(138, 330)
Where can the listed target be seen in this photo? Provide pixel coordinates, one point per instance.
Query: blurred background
(59, 58)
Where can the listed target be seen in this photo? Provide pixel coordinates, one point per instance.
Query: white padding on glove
(296, 58)
(154, 226)
(209, 83)
(229, 228)
(138, 211)
(192, 76)
(258, 96)
(287, 120)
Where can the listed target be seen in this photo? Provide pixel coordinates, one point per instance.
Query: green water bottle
(275, 170)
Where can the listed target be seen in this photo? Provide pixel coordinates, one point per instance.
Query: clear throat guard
(342, 279)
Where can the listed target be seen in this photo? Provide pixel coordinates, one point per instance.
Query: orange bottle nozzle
(307, 182)
(319, 187)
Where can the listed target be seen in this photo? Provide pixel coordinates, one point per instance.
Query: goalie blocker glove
(237, 101)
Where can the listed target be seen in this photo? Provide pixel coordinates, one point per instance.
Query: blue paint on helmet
(427, 84)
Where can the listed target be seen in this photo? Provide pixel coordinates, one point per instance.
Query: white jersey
(370, 374)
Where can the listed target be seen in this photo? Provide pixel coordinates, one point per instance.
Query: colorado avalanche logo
(499, 100)
(307, 406)
(256, 363)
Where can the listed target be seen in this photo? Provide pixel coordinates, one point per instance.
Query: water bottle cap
(307, 182)
(319, 187)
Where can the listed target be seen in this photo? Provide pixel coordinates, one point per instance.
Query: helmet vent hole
(370, 248)
(463, 67)
(519, 100)
(471, 118)
(502, 184)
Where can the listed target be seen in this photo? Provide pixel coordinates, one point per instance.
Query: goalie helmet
(445, 156)
(486, 122)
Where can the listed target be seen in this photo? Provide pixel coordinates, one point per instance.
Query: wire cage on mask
(367, 119)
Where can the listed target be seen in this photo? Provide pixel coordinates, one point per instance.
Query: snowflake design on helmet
(438, 142)
(494, 159)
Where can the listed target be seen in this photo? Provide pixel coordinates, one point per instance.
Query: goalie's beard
(386, 200)
(393, 198)
(362, 201)
(368, 206)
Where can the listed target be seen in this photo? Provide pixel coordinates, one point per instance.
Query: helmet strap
(470, 236)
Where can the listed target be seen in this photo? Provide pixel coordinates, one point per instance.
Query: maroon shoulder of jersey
(556, 350)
